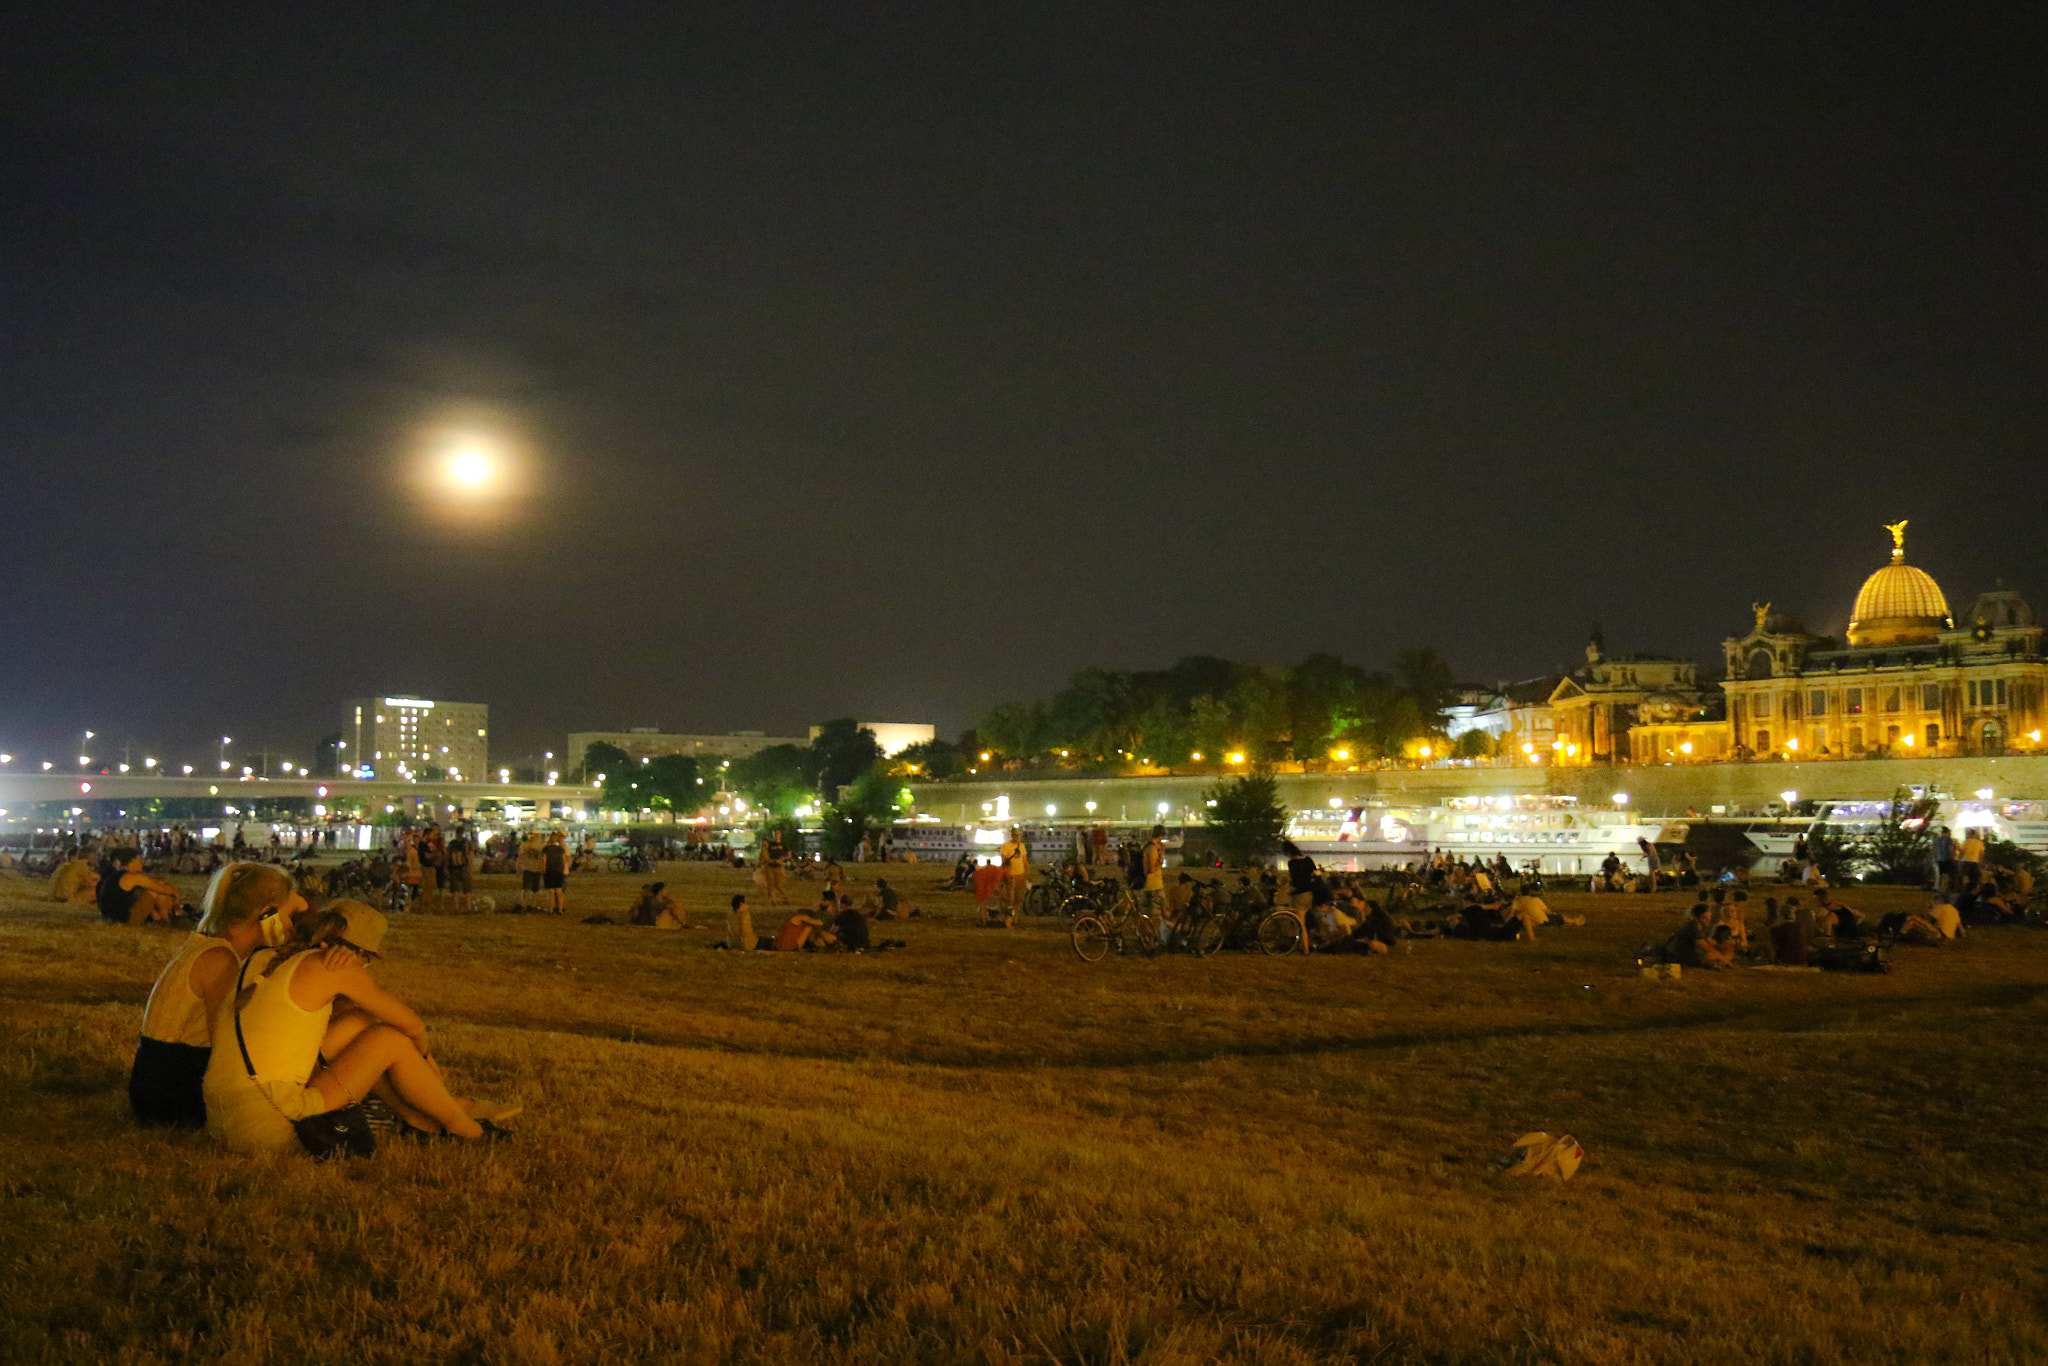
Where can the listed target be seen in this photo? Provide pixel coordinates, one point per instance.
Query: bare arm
(212, 977)
(316, 984)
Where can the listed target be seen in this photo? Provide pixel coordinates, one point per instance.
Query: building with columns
(1909, 680)
(1596, 708)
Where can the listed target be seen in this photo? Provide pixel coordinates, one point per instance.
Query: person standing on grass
(1970, 861)
(530, 863)
(554, 872)
(457, 859)
(1301, 876)
(773, 858)
(1016, 857)
(1152, 863)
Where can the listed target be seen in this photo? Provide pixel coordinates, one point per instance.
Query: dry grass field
(980, 1149)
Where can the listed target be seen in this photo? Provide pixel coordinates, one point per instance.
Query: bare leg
(382, 1051)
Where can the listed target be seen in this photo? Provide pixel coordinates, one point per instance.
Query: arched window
(1760, 664)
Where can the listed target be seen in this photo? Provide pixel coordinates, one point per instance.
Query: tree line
(1209, 707)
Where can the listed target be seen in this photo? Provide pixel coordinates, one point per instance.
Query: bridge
(341, 795)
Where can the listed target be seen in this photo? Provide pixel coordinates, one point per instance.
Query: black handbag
(344, 1132)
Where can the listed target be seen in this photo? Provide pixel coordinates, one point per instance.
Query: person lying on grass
(1847, 921)
(1938, 923)
(166, 1081)
(304, 1057)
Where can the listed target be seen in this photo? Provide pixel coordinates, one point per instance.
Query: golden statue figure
(1762, 610)
(1898, 531)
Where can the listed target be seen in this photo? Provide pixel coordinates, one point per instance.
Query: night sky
(894, 361)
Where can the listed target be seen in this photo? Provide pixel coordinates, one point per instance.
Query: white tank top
(283, 1037)
(175, 1013)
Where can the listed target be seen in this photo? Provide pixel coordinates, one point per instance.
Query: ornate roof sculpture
(1899, 604)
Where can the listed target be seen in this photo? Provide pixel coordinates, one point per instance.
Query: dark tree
(842, 751)
(1247, 821)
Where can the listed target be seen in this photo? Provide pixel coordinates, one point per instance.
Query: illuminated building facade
(414, 737)
(1596, 708)
(645, 742)
(1910, 680)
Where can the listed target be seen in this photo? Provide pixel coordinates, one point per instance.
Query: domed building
(1909, 681)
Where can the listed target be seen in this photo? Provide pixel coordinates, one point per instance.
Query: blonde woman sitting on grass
(295, 1056)
(166, 1084)
(75, 881)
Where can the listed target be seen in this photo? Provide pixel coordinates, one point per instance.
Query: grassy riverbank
(981, 1149)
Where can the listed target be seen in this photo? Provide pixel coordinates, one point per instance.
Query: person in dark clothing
(1688, 947)
(1301, 876)
(852, 928)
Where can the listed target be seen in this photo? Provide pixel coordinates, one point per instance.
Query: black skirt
(166, 1088)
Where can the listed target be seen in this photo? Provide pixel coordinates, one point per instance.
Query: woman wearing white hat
(276, 1028)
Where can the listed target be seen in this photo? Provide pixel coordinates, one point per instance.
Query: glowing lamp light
(1621, 799)
(1196, 756)
(1090, 806)
(1162, 808)
(84, 759)
(1529, 750)
(1336, 803)
(1789, 797)
(1425, 751)
(1234, 758)
(149, 763)
(1908, 741)
(1983, 794)
(85, 787)
(188, 770)
(1051, 810)
(124, 768)
(6, 758)
(1792, 745)
(1685, 748)
(47, 765)
(1341, 754)
(986, 756)
(2033, 735)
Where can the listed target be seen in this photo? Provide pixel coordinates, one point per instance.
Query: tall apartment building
(401, 737)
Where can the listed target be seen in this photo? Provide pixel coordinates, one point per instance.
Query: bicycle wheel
(1091, 939)
(1074, 907)
(1141, 934)
(1204, 936)
(1280, 932)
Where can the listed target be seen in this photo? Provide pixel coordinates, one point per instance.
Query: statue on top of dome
(1898, 531)
(1763, 611)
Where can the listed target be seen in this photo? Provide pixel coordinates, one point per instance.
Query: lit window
(1852, 701)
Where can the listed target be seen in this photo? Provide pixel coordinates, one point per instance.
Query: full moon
(470, 468)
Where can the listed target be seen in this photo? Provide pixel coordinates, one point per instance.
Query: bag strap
(240, 977)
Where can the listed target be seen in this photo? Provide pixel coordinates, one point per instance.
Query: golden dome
(1898, 605)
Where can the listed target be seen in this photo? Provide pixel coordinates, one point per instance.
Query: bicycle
(1283, 931)
(1119, 925)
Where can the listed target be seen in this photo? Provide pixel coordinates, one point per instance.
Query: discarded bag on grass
(1542, 1155)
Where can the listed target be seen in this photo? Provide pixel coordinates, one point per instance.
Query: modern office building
(646, 742)
(400, 737)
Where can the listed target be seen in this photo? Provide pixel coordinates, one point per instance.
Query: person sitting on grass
(739, 925)
(803, 930)
(1717, 951)
(1531, 910)
(166, 1081)
(887, 898)
(1847, 921)
(1938, 923)
(851, 929)
(294, 1055)
(658, 909)
(1687, 947)
(129, 896)
(75, 881)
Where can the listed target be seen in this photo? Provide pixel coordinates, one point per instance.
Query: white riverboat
(2023, 822)
(1555, 833)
